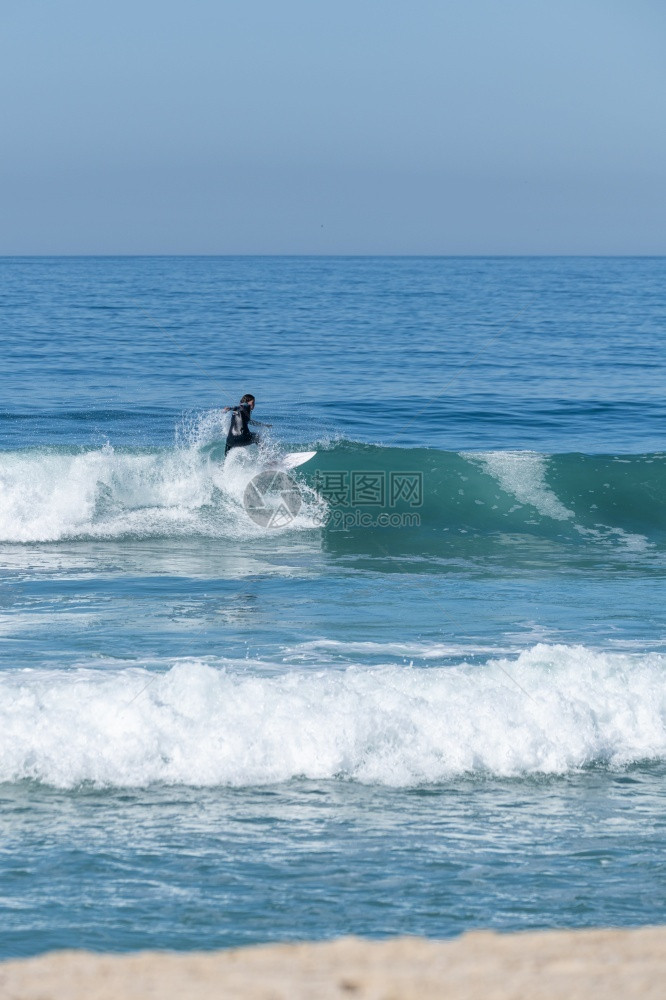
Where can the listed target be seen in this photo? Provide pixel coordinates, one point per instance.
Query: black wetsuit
(239, 433)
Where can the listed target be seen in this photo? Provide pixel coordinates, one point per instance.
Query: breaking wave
(550, 710)
(189, 490)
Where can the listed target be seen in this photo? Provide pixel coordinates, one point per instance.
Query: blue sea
(415, 686)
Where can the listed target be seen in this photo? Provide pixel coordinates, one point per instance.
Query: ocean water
(416, 687)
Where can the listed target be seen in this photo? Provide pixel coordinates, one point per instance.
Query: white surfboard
(294, 458)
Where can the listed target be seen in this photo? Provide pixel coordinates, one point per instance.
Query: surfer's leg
(243, 443)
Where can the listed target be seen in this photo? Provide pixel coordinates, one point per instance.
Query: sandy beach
(480, 965)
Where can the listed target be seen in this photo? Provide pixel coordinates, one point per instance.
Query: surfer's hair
(248, 398)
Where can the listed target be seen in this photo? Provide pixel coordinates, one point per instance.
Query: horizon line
(495, 256)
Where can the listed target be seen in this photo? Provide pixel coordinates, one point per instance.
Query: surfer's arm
(259, 423)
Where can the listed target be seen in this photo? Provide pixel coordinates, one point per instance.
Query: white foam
(102, 493)
(550, 710)
(522, 475)
(390, 651)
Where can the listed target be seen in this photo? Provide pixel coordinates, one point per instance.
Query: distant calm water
(429, 696)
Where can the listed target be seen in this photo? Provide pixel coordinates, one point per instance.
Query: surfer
(240, 434)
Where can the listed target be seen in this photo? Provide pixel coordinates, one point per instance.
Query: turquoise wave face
(572, 496)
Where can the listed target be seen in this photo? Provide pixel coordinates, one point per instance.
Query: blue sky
(354, 126)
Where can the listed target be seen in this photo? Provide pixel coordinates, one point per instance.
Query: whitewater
(549, 711)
